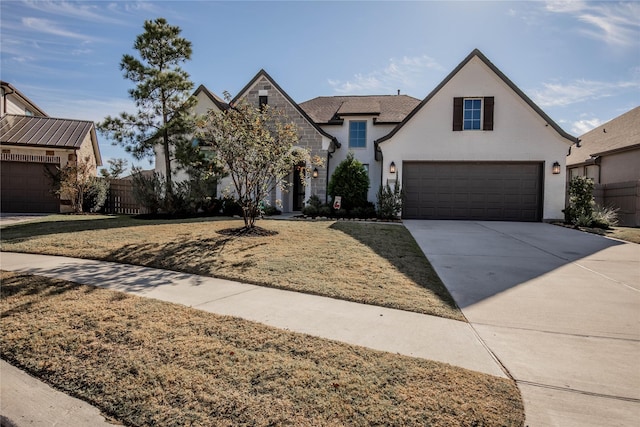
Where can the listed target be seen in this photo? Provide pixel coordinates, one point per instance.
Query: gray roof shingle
(43, 131)
(386, 108)
(617, 134)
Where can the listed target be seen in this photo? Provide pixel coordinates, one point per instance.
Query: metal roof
(43, 131)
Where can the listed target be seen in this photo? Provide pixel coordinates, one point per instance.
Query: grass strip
(378, 264)
(147, 362)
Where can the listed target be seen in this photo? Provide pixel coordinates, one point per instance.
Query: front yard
(146, 362)
(376, 264)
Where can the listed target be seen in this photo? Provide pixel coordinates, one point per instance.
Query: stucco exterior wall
(620, 167)
(520, 134)
(364, 155)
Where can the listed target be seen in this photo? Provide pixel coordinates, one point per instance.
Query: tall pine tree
(162, 96)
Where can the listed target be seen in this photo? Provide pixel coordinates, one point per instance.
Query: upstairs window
(473, 113)
(262, 101)
(357, 134)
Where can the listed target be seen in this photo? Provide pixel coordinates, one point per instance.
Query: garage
(502, 191)
(26, 188)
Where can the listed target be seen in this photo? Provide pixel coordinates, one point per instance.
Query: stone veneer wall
(310, 138)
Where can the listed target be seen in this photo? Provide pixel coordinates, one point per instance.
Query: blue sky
(578, 60)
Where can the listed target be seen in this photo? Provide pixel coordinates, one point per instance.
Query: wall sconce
(314, 174)
(556, 168)
(392, 168)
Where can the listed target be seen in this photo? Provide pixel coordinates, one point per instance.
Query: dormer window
(473, 113)
(263, 98)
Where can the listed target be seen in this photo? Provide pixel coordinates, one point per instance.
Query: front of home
(34, 146)
(475, 148)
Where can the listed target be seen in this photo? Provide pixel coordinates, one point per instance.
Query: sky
(578, 60)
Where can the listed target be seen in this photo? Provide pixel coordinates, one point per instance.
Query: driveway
(559, 308)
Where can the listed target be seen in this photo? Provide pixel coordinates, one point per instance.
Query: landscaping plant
(389, 201)
(350, 180)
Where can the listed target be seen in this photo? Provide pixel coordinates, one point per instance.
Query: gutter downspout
(326, 188)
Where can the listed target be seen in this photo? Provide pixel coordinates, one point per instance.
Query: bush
(149, 191)
(310, 210)
(389, 201)
(231, 207)
(269, 210)
(581, 201)
(325, 211)
(96, 195)
(604, 217)
(350, 180)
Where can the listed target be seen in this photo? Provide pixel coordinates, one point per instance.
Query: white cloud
(405, 74)
(581, 127)
(49, 27)
(563, 94)
(615, 23)
(83, 10)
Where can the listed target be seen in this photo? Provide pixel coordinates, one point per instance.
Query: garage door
(471, 190)
(26, 188)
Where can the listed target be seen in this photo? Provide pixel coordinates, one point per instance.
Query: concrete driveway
(559, 308)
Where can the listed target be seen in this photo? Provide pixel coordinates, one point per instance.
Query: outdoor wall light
(392, 168)
(556, 168)
(315, 173)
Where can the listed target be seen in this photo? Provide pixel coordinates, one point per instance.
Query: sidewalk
(379, 328)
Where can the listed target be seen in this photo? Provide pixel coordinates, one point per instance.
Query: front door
(298, 188)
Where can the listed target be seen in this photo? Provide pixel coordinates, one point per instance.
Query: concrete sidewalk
(559, 308)
(378, 328)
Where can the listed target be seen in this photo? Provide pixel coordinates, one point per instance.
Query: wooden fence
(120, 199)
(622, 195)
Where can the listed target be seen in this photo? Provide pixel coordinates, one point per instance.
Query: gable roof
(504, 78)
(616, 135)
(212, 96)
(389, 109)
(263, 73)
(47, 132)
(13, 91)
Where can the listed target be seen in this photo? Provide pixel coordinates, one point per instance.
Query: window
(262, 101)
(473, 113)
(28, 112)
(357, 134)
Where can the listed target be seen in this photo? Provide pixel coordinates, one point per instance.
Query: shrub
(149, 190)
(581, 201)
(310, 210)
(604, 217)
(314, 201)
(325, 211)
(389, 201)
(270, 210)
(350, 180)
(231, 207)
(96, 195)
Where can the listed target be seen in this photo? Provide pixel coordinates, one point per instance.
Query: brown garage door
(26, 188)
(473, 190)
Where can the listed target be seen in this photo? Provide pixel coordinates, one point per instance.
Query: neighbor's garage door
(472, 190)
(26, 188)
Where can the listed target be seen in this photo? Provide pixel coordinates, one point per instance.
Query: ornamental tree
(256, 147)
(163, 97)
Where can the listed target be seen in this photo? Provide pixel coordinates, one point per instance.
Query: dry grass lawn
(378, 264)
(146, 362)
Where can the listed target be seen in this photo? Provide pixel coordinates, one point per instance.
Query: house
(475, 148)
(32, 142)
(610, 155)
(358, 121)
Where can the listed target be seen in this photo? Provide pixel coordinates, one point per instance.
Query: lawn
(147, 362)
(371, 263)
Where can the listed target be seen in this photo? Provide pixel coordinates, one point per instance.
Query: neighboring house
(475, 148)
(610, 155)
(32, 143)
